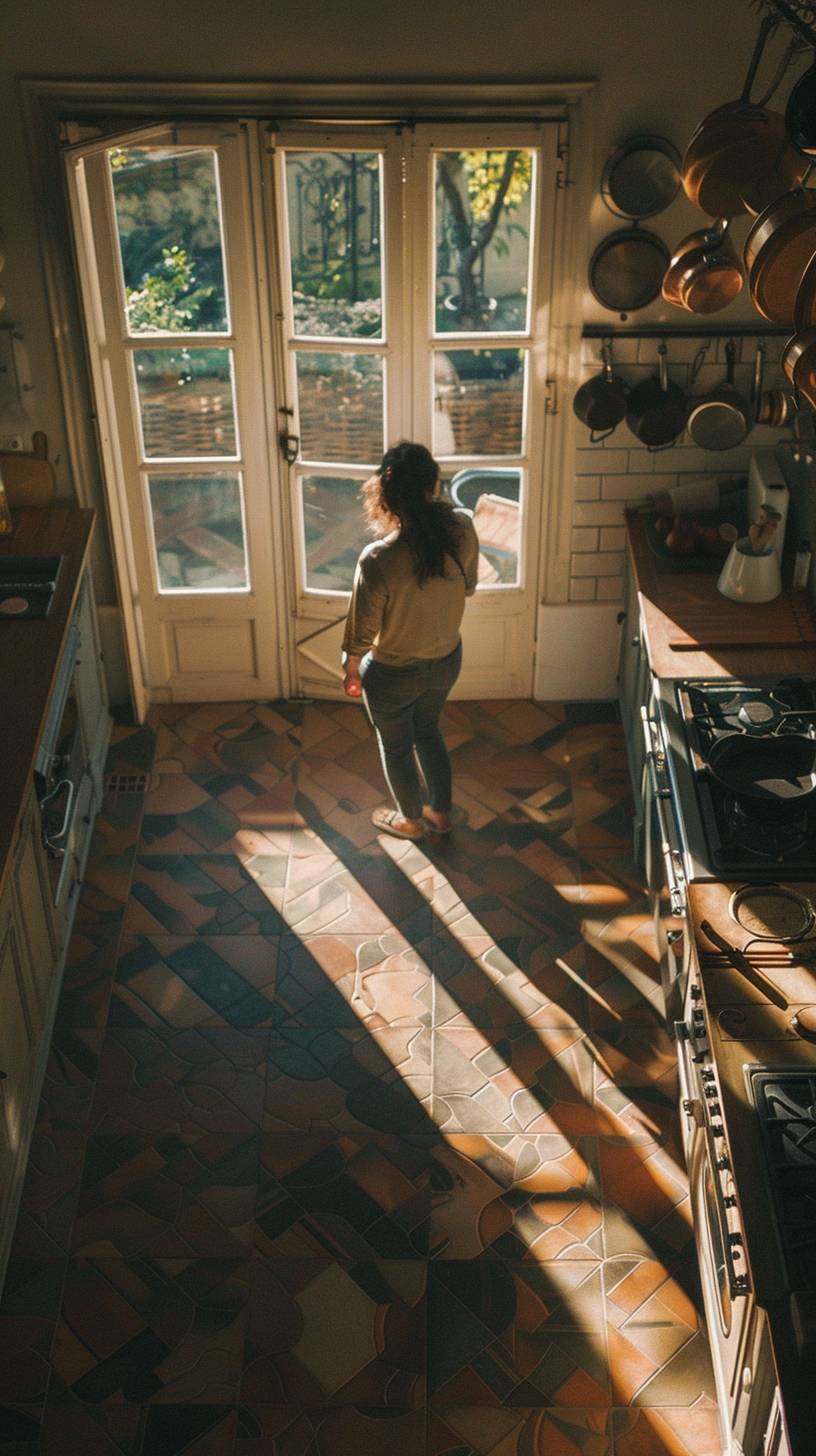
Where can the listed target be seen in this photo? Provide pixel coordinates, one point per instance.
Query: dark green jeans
(404, 704)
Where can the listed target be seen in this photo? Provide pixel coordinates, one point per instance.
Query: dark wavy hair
(401, 495)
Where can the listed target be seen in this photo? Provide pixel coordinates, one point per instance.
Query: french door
(266, 311)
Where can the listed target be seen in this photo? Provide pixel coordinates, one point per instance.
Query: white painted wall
(660, 67)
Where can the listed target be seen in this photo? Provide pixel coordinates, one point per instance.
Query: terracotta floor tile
(368, 979)
(502, 1431)
(349, 1080)
(153, 1331)
(32, 1294)
(204, 1080)
(127, 1429)
(324, 1333)
(647, 1209)
(166, 1197)
(70, 1075)
(529, 1079)
(172, 982)
(349, 1195)
(672, 1431)
(482, 983)
(518, 1198)
(87, 977)
(203, 894)
(50, 1193)
(505, 1335)
(349, 1431)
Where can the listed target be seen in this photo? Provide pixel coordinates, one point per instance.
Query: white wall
(660, 67)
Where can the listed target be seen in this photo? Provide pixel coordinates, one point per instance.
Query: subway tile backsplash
(618, 469)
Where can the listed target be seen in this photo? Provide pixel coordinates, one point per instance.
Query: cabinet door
(89, 682)
(32, 895)
(16, 1032)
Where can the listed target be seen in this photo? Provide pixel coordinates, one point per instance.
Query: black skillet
(774, 776)
(656, 410)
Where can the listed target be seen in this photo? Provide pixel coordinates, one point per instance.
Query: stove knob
(708, 1074)
(730, 1200)
(696, 993)
(717, 1129)
(741, 1284)
(723, 1165)
(709, 1091)
(735, 1240)
(698, 1016)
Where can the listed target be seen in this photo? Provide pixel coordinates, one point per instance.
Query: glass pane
(479, 401)
(333, 209)
(340, 399)
(494, 497)
(168, 219)
(334, 530)
(186, 401)
(198, 530)
(483, 219)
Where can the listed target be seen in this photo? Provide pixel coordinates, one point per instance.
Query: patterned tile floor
(350, 1146)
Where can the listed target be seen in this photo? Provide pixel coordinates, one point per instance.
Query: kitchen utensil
(656, 409)
(777, 251)
(740, 157)
(600, 403)
(741, 963)
(704, 273)
(804, 308)
(800, 114)
(29, 476)
(748, 577)
(769, 773)
(773, 913)
(723, 418)
(775, 407)
(641, 177)
(627, 268)
(756, 386)
(799, 363)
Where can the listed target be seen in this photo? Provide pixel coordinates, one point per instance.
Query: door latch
(290, 446)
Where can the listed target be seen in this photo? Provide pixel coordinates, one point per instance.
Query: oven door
(728, 1312)
(665, 878)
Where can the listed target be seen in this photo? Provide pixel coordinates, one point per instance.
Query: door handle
(290, 446)
(57, 851)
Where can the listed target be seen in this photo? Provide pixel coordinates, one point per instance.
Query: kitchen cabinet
(41, 885)
(633, 692)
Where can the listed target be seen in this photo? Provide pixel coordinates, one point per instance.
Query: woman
(401, 648)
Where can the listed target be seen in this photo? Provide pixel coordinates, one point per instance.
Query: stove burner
(743, 838)
(784, 1102)
(755, 712)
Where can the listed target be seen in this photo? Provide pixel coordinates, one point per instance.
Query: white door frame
(57, 110)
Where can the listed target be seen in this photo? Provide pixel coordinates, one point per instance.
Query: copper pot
(704, 273)
(799, 363)
(777, 251)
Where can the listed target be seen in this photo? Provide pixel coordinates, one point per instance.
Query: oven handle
(677, 898)
(692, 1106)
(57, 851)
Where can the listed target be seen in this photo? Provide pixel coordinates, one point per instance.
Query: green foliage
(169, 300)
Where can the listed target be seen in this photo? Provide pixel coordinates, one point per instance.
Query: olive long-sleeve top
(399, 619)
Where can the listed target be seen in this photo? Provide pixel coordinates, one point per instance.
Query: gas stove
(724, 832)
(785, 1101)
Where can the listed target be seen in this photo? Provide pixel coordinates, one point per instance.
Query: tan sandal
(386, 820)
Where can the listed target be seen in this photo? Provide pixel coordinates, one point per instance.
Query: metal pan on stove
(770, 776)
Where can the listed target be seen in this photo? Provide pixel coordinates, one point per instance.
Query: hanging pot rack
(658, 331)
(800, 16)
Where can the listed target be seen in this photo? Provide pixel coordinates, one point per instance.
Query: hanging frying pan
(641, 177)
(627, 268)
(777, 251)
(656, 410)
(740, 158)
(804, 308)
(771, 776)
(799, 363)
(723, 418)
(600, 403)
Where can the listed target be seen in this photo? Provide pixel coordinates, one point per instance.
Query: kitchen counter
(674, 603)
(746, 1028)
(30, 650)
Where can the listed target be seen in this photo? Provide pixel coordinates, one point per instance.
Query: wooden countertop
(673, 603)
(30, 650)
(748, 1028)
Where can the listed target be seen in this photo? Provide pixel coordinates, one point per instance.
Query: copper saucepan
(704, 273)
